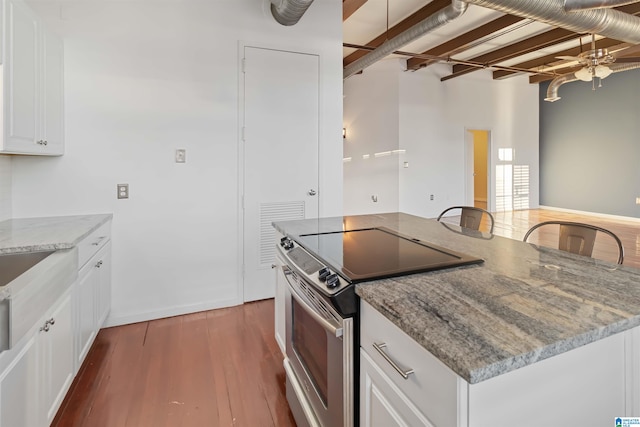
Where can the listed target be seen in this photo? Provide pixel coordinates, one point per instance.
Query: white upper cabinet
(33, 117)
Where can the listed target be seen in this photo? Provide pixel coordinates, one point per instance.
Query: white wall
(5, 188)
(142, 79)
(431, 123)
(371, 120)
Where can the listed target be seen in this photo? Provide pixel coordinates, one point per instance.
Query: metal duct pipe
(552, 90)
(576, 5)
(442, 17)
(606, 22)
(289, 12)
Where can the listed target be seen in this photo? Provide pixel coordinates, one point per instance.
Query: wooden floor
(221, 367)
(214, 368)
(515, 225)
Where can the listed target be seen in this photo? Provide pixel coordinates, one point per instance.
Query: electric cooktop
(376, 253)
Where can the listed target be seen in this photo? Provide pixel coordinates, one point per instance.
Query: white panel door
(280, 134)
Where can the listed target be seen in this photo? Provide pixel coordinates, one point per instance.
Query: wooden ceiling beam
(630, 51)
(541, 41)
(350, 6)
(462, 42)
(405, 24)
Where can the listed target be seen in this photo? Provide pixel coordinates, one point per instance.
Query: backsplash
(5, 187)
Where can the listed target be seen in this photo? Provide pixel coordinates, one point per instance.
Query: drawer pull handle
(405, 373)
(47, 325)
(97, 242)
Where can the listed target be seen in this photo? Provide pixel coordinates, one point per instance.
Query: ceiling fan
(595, 62)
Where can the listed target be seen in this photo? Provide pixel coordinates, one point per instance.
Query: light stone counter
(523, 304)
(45, 234)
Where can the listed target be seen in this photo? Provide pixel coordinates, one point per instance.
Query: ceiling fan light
(584, 74)
(603, 71)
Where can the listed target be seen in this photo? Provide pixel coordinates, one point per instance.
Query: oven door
(319, 347)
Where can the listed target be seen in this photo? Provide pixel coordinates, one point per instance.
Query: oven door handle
(337, 332)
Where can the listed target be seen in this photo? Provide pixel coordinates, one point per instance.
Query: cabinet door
(57, 357)
(85, 309)
(103, 294)
(52, 97)
(22, 76)
(382, 403)
(19, 389)
(279, 305)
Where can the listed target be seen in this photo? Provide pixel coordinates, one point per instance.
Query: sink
(30, 282)
(13, 265)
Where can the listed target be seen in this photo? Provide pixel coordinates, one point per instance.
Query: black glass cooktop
(375, 253)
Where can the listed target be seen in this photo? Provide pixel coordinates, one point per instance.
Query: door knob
(311, 192)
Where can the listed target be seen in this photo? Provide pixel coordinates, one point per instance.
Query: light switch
(123, 191)
(181, 155)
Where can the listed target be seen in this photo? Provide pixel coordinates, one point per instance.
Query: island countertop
(47, 233)
(525, 303)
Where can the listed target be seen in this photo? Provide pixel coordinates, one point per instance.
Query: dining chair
(577, 237)
(470, 217)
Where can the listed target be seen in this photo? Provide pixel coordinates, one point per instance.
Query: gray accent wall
(590, 146)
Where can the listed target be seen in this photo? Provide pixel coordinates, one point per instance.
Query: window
(512, 182)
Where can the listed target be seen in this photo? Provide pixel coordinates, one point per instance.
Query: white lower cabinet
(55, 351)
(40, 370)
(103, 294)
(381, 402)
(587, 386)
(85, 312)
(279, 304)
(19, 386)
(37, 372)
(93, 290)
(404, 379)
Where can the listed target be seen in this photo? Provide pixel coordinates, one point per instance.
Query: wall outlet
(123, 191)
(374, 198)
(181, 155)
(430, 196)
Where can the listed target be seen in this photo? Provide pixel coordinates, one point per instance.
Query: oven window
(309, 341)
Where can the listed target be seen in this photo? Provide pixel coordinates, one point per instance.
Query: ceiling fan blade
(628, 59)
(569, 58)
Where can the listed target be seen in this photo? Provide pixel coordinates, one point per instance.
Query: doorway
(478, 177)
(279, 155)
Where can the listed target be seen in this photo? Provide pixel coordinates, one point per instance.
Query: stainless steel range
(321, 311)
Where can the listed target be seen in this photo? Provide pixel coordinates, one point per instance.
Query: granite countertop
(525, 303)
(45, 234)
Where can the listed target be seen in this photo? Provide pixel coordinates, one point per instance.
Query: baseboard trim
(118, 319)
(600, 215)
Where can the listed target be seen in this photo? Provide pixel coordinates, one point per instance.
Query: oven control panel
(319, 274)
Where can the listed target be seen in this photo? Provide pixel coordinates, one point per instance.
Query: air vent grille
(274, 212)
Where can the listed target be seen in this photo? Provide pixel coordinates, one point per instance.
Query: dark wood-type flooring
(214, 368)
(222, 367)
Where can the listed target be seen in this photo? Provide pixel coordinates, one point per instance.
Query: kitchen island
(533, 336)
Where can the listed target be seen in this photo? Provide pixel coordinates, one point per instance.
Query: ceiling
(481, 38)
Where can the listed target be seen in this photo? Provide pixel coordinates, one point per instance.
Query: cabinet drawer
(432, 387)
(93, 242)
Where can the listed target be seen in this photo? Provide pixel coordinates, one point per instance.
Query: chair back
(471, 217)
(578, 238)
